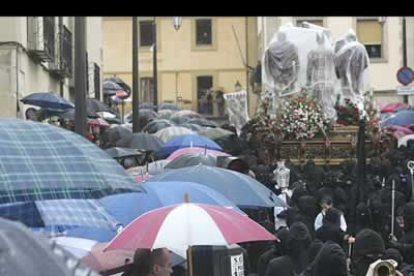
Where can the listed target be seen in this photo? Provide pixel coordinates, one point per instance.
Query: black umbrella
(146, 105)
(192, 159)
(23, 252)
(155, 125)
(117, 136)
(179, 120)
(168, 106)
(145, 141)
(231, 144)
(110, 87)
(146, 113)
(95, 106)
(117, 152)
(120, 82)
(193, 127)
(203, 122)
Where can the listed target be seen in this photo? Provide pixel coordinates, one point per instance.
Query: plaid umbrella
(47, 100)
(40, 161)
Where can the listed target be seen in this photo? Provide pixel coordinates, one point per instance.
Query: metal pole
(247, 66)
(62, 79)
(155, 66)
(405, 51)
(80, 75)
(392, 207)
(135, 76)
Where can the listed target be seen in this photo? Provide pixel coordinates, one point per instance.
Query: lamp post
(177, 20)
(404, 30)
(80, 75)
(154, 59)
(135, 76)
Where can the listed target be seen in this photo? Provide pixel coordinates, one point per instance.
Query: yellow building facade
(203, 52)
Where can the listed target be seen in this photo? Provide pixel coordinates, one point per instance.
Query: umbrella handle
(190, 261)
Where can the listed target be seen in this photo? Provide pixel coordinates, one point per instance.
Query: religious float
(316, 93)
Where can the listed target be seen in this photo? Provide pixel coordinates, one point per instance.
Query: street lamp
(237, 86)
(177, 20)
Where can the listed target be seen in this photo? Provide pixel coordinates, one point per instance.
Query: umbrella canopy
(167, 133)
(231, 144)
(156, 125)
(180, 226)
(168, 106)
(120, 82)
(127, 207)
(192, 159)
(147, 113)
(123, 152)
(146, 105)
(203, 122)
(98, 122)
(165, 113)
(154, 168)
(26, 253)
(180, 152)
(179, 120)
(215, 133)
(239, 188)
(393, 107)
(402, 118)
(116, 136)
(145, 141)
(48, 100)
(96, 106)
(185, 141)
(40, 161)
(107, 263)
(192, 127)
(110, 87)
(403, 140)
(187, 113)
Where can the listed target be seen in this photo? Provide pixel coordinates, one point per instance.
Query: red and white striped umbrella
(178, 227)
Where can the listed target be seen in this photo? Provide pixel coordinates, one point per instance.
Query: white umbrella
(167, 133)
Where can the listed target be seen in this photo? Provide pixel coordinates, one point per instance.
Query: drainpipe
(17, 82)
(247, 66)
(62, 79)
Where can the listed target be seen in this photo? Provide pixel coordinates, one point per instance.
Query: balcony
(41, 38)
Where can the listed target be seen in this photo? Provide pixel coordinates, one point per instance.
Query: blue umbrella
(187, 141)
(401, 118)
(40, 162)
(241, 189)
(48, 100)
(127, 207)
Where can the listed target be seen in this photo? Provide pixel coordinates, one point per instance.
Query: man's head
(326, 203)
(155, 263)
(368, 248)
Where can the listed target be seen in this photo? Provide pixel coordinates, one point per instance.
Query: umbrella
(215, 133)
(403, 140)
(142, 177)
(187, 113)
(47, 100)
(167, 133)
(231, 144)
(154, 168)
(392, 107)
(156, 125)
(192, 159)
(119, 136)
(179, 120)
(26, 253)
(123, 152)
(96, 106)
(182, 151)
(120, 82)
(127, 207)
(239, 188)
(402, 118)
(145, 141)
(98, 122)
(107, 263)
(147, 113)
(168, 106)
(185, 141)
(178, 227)
(165, 113)
(40, 161)
(146, 105)
(110, 87)
(203, 122)
(192, 127)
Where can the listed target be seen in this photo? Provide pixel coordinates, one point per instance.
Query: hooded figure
(406, 244)
(330, 261)
(308, 210)
(395, 255)
(368, 248)
(279, 249)
(296, 259)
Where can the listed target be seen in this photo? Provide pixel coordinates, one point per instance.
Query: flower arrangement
(303, 117)
(348, 114)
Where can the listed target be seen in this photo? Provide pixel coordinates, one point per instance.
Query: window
(146, 31)
(146, 89)
(66, 65)
(97, 81)
(369, 33)
(204, 32)
(318, 22)
(49, 35)
(205, 99)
